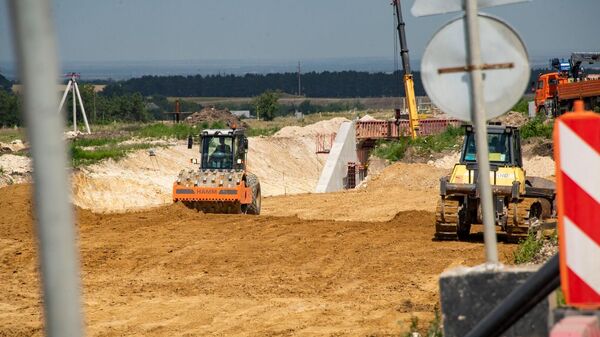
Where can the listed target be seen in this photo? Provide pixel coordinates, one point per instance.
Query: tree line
(145, 98)
(322, 84)
(100, 108)
(334, 84)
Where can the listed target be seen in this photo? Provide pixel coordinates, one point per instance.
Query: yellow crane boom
(409, 84)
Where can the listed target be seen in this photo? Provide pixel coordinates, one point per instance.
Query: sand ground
(170, 271)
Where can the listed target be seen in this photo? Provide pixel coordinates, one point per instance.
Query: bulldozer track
(517, 225)
(446, 219)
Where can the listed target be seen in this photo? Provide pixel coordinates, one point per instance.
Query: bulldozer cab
(223, 149)
(503, 142)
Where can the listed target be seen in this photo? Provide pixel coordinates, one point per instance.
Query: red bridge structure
(369, 132)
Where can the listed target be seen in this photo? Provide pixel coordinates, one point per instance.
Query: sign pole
(58, 254)
(479, 121)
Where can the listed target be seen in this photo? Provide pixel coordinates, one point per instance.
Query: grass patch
(435, 326)
(537, 128)
(268, 131)
(178, 131)
(396, 149)
(84, 142)
(160, 130)
(414, 327)
(392, 150)
(433, 330)
(7, 135)
(437, 143)
(522, 106)
(80, 156)
(527, 249)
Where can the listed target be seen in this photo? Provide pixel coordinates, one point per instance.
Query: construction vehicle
(222, 183)
(555, 92)
(519, 201)
(409, 84)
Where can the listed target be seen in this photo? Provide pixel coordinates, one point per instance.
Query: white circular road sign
(504, 64)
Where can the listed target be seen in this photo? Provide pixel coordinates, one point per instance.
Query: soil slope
(170, 271)
(399, 187)
(285, 164)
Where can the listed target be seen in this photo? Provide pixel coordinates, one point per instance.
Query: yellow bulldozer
(221, 184)
(519, 201)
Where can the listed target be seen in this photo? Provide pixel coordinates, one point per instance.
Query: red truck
(555, 92)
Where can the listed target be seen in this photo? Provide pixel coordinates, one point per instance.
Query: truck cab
(545, 91)
(556, 91)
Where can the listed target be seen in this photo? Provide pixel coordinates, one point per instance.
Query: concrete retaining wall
(342, 151)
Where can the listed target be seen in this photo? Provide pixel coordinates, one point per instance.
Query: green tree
(266, 105)
(9, 109)
(5, 83)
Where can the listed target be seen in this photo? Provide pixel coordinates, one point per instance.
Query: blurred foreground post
(38, 69)
(478, 117)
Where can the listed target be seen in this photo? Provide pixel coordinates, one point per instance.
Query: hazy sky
(147, 30)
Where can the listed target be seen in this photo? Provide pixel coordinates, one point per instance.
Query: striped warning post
(577, 154)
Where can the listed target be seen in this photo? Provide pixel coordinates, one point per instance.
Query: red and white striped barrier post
(577, 155)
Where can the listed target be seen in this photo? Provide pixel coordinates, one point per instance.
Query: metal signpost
(38, 68)
(454, 79)
(479, 120)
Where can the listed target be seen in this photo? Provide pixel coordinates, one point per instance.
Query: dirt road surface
(170, 271)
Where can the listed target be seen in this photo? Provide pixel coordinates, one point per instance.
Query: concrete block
(531, 109)
(469, 294)
(343, 150)
(577, 326)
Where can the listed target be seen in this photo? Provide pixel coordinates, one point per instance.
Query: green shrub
(522, 106)
(160, 130)
(440, 142)
(218, 125)
(395, 150)
(527, 249)
(391, 150)
(537, 128)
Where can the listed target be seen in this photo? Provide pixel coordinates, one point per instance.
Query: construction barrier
(392, 129)
(577, 154)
